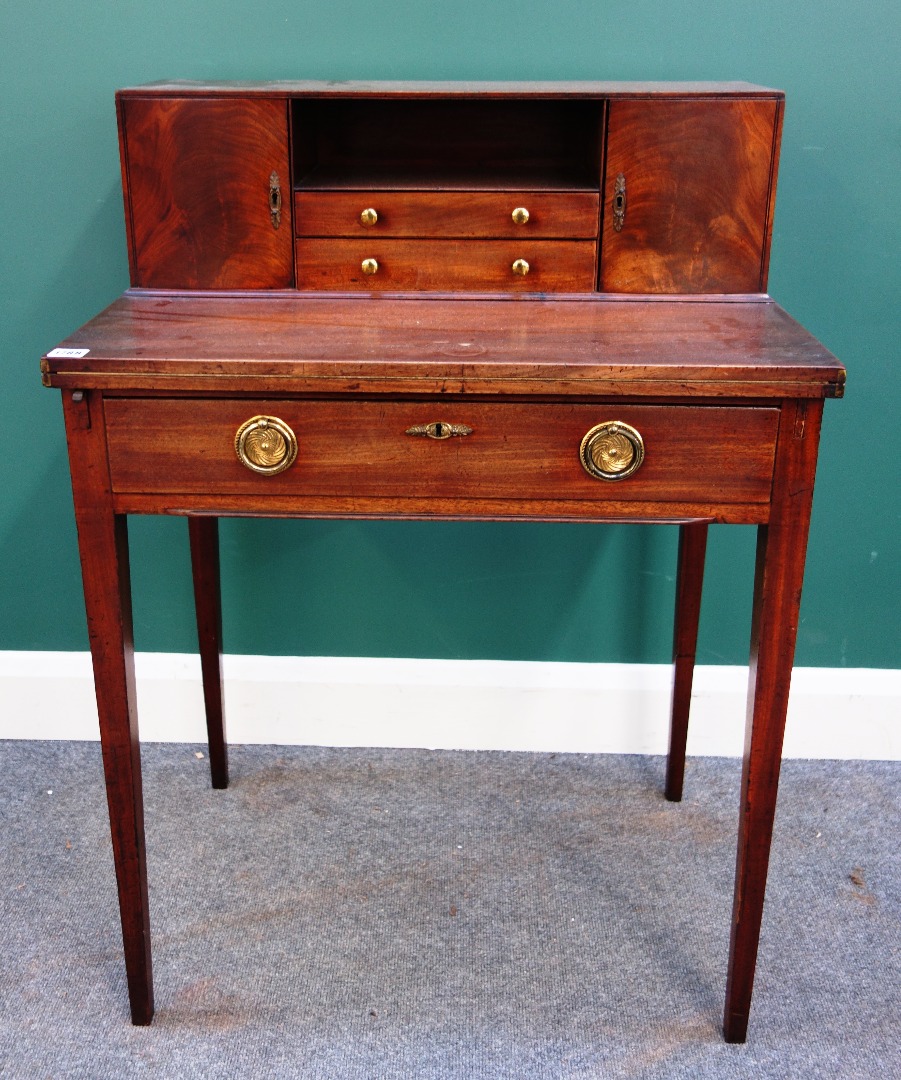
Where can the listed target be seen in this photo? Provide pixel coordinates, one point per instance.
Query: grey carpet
(416, 914)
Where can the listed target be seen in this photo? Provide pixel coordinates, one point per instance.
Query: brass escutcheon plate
(439, 429)
(611, 451)
(619, 203)
(266, 445)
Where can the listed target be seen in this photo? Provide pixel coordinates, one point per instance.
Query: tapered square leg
(689, 582)
(204, 538)
(103, 545)
(781, 550)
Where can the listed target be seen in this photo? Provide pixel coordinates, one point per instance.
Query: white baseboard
(454, 704)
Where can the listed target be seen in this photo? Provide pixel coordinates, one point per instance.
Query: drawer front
(490, 214)
(513, 451)
(446, 265)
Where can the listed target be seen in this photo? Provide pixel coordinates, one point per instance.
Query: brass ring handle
(275, 199)
(266, 445)
(611, 451)
(520, 215)
(520, 268)
(369, 217)
(369, 266)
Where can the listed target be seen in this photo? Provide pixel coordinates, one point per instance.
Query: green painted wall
(458, 590)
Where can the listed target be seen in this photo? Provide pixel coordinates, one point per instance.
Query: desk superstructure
(473, 301)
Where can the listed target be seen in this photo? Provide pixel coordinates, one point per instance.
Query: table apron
(375, 458)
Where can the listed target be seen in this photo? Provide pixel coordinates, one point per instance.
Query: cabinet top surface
(544, 89)
(565, 347)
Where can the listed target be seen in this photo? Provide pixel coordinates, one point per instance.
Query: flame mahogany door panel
(697, 200)
(198, 174)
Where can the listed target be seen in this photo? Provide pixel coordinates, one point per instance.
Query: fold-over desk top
(592, 346)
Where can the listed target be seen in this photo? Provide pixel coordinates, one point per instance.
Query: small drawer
(389, 450)
(374, 265)
(490, 214)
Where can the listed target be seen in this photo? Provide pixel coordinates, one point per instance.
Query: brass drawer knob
(266, 445)
(520, 268)
(368, 217)
(611, 451)
(520, 215)
(369, 266)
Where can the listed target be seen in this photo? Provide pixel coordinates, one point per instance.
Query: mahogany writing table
(538, 301)
(516, 408)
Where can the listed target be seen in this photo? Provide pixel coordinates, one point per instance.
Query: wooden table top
(595, 346)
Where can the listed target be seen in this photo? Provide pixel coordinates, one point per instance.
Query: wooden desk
(726, 394)
(538, 301)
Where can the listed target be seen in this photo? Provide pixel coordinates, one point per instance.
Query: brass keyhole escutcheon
(369, 217)
(619, 203)
(520, 268)
(611, 451)
(266, 445)
(520, 215)
(275, 199)
(369, 266)
(439, 429)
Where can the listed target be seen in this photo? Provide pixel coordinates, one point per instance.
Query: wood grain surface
(103, 547)
(198, 192)
(360, 448)
(573, 348)
(781, 553)
(689, 586)
(203, 533)
(443, 265)
(412, 214)
(698, 178)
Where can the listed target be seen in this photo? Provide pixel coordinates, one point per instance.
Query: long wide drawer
(489, 214)
(373, 264)
(369, 448)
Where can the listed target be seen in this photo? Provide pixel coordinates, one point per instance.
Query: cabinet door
(201, 192)
(696, 200)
